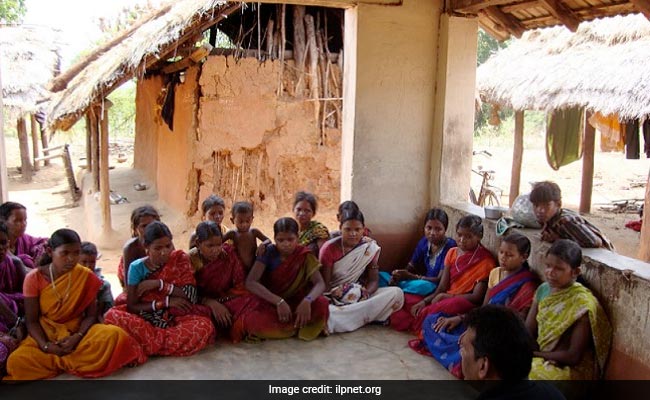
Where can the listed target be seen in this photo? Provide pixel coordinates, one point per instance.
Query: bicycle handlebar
(484, 152)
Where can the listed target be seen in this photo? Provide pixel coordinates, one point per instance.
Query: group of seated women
(308, 283)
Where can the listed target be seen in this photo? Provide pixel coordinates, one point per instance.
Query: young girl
(214, 209)
(61, 315)
(290, 299)
(348, 206)
(134, 247)
(423, 273)
(22, 245)
(512, 284)
(161, 311)
(571, 328)
(464, 277)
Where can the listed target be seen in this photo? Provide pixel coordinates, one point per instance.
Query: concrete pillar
(388, 119)
(451, 153)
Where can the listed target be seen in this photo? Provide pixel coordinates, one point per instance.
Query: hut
(29, 57)
(601, 68)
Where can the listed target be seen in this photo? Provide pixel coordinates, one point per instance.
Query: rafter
(643, 6)
(474, 6)
(507, 21)
(563, 13)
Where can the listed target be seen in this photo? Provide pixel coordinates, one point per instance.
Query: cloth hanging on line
(168, 105)
(564, 136)
(632, 144)
(611, 134)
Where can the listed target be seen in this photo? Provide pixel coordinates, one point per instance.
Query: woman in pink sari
(27, 248)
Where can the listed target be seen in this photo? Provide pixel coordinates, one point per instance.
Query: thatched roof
(603, 67)
(30, 57)
(155, 37)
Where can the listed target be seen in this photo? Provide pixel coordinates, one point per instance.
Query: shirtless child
(243, 236)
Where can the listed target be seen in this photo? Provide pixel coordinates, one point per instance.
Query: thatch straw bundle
(123, 59)
(30, 57)
(603, 67)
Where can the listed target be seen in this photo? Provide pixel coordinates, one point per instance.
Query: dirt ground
(50, 206)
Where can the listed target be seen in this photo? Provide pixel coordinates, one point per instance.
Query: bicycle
(487, 195)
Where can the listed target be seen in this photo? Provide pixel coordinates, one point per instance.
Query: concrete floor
(376, 352)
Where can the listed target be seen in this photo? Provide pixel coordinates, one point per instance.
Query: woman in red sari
(464, 277)
(289, 287)
(161, 310)
(61, 315)
(220, 277)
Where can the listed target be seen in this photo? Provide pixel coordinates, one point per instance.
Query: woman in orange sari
(161, 310)
(289, 288)
(464, 277)
(61, 315)
(220, 277)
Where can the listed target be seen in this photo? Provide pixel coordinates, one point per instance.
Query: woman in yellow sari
(61, 315)
(570, 326)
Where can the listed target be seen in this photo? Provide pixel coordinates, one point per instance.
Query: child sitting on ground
(561, 223)
(348, 205)
(214, 209)
(88, 258)
(571, 328)
(244, 237)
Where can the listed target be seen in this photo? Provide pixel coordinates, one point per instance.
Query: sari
(314, 232)
(223, 280)
(349, 269)
(291, 280)
(465, 271)
(102, 350)
(168, 332)
(557, 312)
(515, 292)
(11, 297)
(417, 289)
(29, 249)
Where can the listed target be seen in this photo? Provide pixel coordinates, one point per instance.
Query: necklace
(470, 260)
(56, 292)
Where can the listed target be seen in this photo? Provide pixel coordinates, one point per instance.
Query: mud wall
(254, 145)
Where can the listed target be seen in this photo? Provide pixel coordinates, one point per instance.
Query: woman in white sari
(351, 276)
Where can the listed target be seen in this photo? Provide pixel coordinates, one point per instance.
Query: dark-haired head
(520, 241)
(212, 201)
(496, 334)
(207, 230)
(89, 249)
(352, 215)
(241, 207)
(154, 231)
(7, 207)
(3, 228)
(4, 240)
(347, 205)
(308, 197)
(285, 225)
(138, 214)
(473, 223)
(544, 192)
(567, 251)
(59, 238)
(437, 214)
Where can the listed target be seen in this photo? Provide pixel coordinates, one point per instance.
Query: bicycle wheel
(490, 199)
(472, 197)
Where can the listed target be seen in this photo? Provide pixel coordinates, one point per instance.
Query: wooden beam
(643, 6)
(583, 14)
(489, 27)
(507, 21)
(474, 6)
(513, 8)
(563, 13)
(34, 130)
(4, 178)
(44, 143)
(94, 147)
(23, 141)
(89, 151)
(587, 166)
(104, 183)
(644, 242)
(517, 157)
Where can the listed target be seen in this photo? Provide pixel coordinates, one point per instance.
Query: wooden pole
(587, 166)
(25, 163)
(517, 157)
(34, 127)
(644, 243)
(44, 144)
(4, 179)
(104, 184)
(94, 147)
(312, 51)
(89, 152)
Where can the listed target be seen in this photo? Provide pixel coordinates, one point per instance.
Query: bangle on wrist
(153, 305)
(46, 346)
(162, 285)
(167, 301)
(171, 289)
(279, 302)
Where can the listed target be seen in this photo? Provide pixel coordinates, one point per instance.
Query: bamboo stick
(299, 44)
(34, 131)
(269, 38)
(104, 185)
(25, 163)
(312, 51)
(283, 41)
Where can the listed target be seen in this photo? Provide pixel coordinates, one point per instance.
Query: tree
(487, 45)
(12, 11)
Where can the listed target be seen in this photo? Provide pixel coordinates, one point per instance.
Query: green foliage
(487, 45)
(503, 134)
(12, 11)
